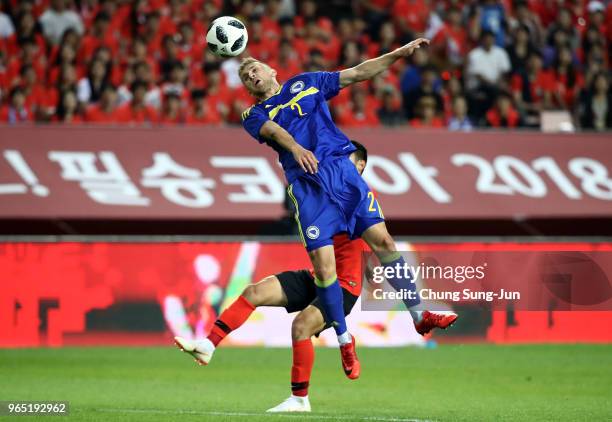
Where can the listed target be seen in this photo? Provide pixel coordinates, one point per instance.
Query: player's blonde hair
(247, 61)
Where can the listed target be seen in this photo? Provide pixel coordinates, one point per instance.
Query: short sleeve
(252, 121)
(328, 83)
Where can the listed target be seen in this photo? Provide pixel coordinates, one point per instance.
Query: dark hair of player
(362, 152)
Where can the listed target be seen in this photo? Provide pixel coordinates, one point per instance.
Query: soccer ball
(227, 36)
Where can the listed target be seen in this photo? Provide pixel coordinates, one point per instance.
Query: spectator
(151, 32)
(6, 26)
(29, 55)
(390, 113)
(493, 19)
(426, 112)
(189, 50)
(35, 92)
(105, 111)
(171, 111)
(261, 44)
(288, 63)
(176, 82)
(567, 80)
(595, 105)
(410, 16)
(90, 89)
(4, 78)
(524, 17)
(565, 24)
(350, 56)
(201, 112)
(99, 36)
(139, 54)
(124, 94)
(143, 73)
(503, 113)
(486, 68)
(411, 78)
(16, 111)
(67, 79)
(533, 90)
(520, 49)
(387, 41)
(219, 96)
(58, 19)
(137, 111)
(487, 64)
(170, 57)
(450, 42)
(66, 55)
(452, 88)
(358, 114)
(288, 33)
(460, 119)
(26, 29)
(597, 18)
(429, 87)
(67, 109)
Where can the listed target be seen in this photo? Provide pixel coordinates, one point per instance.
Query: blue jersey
(300, 108)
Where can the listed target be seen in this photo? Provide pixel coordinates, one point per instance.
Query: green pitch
(471, 382)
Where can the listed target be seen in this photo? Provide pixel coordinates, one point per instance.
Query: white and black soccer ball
(227, 36)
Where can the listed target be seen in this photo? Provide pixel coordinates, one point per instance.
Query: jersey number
(296, 106)
(371, 196)
(371, 208)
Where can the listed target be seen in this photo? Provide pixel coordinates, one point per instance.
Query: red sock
(303, 359)
(230, 319)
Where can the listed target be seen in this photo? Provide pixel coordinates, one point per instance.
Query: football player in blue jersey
(329, 194)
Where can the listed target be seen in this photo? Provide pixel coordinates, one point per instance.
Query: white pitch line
(249, 414)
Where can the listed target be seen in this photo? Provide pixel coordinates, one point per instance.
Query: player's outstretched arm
(373, 67)
(306, 159)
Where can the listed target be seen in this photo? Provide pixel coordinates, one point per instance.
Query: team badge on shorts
(312, 232)
(296, 87)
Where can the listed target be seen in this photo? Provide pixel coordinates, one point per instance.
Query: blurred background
(133, 206)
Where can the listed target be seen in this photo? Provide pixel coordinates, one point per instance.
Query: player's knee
(384, 243)
(325, 272)
(387, 243)
(254, 294)
(301, 328)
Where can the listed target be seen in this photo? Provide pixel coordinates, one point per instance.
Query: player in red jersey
(295, 291)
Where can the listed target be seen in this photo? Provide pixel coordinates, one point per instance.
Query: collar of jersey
(280, 88)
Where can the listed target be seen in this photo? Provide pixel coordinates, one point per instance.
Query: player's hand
(306, 159)
(409, 48)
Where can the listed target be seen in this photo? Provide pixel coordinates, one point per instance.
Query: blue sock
(330, 295)
(401, 281)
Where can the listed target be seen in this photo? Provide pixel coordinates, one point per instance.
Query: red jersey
(348, 262)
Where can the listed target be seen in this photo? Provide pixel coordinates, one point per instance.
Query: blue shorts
(334, 200)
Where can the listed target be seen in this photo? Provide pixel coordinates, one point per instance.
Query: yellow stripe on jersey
(297, 213)
(310, 91)
(246, 113)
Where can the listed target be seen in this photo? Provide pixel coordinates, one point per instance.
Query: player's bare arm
(274, 132)
(370, 68)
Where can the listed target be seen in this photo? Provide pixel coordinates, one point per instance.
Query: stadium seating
(490, 64)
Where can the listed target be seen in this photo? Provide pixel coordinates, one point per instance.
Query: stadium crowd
(490, 63)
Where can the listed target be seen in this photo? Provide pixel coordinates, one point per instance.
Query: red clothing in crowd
(95, 114)
(495, 119)
(418, 123)
(349, 118)
(127, 114)
(414, 14)
(8, 114)
(543, 82)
